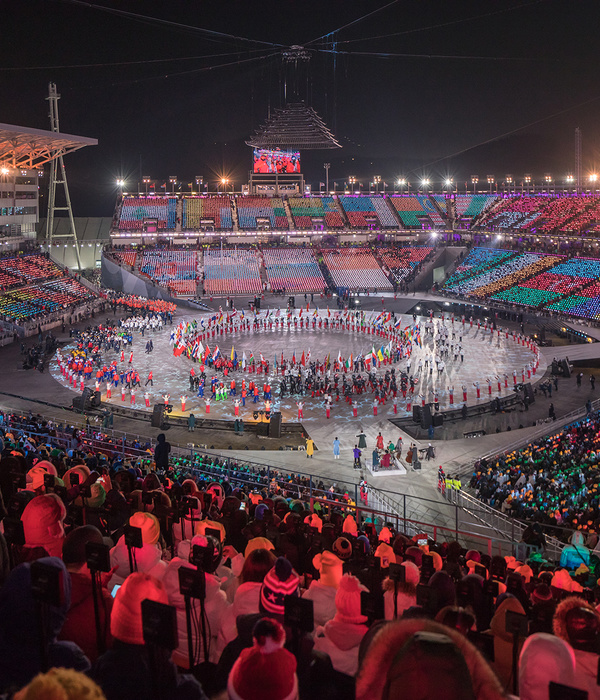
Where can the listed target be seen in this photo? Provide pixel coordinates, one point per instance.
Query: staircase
(234, 215)
(179, 215)
(324, 270)
(288, 213)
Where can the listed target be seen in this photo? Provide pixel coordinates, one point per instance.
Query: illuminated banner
(276, 161)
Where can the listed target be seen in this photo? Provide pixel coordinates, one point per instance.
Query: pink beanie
(126, 615)
(148, 524)
(43, 523)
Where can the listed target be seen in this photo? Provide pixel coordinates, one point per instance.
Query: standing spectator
(161, 452)
(336, 448)
(592, 382)
(551, 412)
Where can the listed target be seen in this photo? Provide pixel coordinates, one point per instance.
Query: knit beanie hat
(265, 671)
(260, 510)
(280, 581)
(347, 601)
(525, 571)
(35, 478)
(213, 525)
(149, 526)
(314, 521)
(412, 573)
(43, 523)
(562, 580)
(342, 548)
(363, 543)
(350, 526)
(385, 535)
(82, 472)
(126, 615)
(386, 554)
(330, 568)
(47, 466)
(73, 551)
(258, 543)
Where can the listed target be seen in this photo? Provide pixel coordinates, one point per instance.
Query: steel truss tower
(58, 176)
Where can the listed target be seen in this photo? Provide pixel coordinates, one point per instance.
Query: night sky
(415, 89)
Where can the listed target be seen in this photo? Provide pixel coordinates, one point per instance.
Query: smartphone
(421, 543)
(243, 505)
(115, 589)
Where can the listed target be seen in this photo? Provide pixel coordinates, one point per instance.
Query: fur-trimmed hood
(385, 644)
(559, 622)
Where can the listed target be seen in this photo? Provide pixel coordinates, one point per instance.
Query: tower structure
(578, 158)
(58, 176)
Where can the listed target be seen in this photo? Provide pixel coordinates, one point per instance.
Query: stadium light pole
(401, 182)
(548, 181)
(593, 180)
(528, 181)
(509, 181)
(474, 181)
(352, 182)
(490, 179)
(376, 181)
(199, 181)
(569, 180)
(173, 181)
(146, 180)
(327, 166)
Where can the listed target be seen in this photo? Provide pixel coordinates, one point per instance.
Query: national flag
(232, 353)
(244, 357)
(242, 314)
(339, 358)
(303, 360)
(397, 324)
(328, 313)
(349, 362)
(315, 312)
(282, 358)
(251, 358)
(262, 360)
(294, 357)
(216, 353)
(380, 355)
(206, 353)
(300, 314)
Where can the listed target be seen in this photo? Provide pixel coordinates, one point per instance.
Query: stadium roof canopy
(22, 147)
(295, 127)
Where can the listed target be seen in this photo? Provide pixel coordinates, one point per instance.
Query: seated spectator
(126, 671)
(78, 627)
(403, 595)
(20, 642)
(575, 553)
(43, 527)
(420, 658)
(503, 640)
(340, 638)
(323, 591)
(544, 658)
(148, 558)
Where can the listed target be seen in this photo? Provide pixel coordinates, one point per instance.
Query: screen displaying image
(276, 161)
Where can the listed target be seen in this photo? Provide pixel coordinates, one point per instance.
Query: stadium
(337, 422)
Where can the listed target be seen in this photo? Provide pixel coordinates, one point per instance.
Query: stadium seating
(365, 212)
(231, 271)
(504, 275)
(127, 257)
(36, 300)
(293, 269)
(251, 208)
(304, 209)
(477, 260)
(516, 213)
(135, 209)
(174, 269)
(216, 208)
(468, 206)
(410, 210)
(402, 261)
(355, 268)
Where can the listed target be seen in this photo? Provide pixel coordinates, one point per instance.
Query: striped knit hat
(280, 581)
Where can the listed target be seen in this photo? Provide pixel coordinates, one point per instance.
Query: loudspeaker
(566, 369)
(529, 393)
(438, 420)
(416, 413)
(257, 303)
(426, 416)
(86, 398)
(157, 415)
(275, 425)
(78, 403)
(96, 399)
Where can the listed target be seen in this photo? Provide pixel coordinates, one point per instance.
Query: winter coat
(404, 602)
(576, 553)
(161, 452)
(20, 657)
(545, 658)
(79, 626)
(341, 640)
(125, 672)
(147, 558)
(215, 605)
(503, 641)
(310, 447)
(323, 598)
(245, 602)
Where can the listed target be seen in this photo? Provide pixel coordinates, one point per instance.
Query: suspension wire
(354, 21)
(168, 23)
(381, 54)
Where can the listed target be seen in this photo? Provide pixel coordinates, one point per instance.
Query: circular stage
(475, 355)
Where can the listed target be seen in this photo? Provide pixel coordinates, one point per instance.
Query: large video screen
(276, 161)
